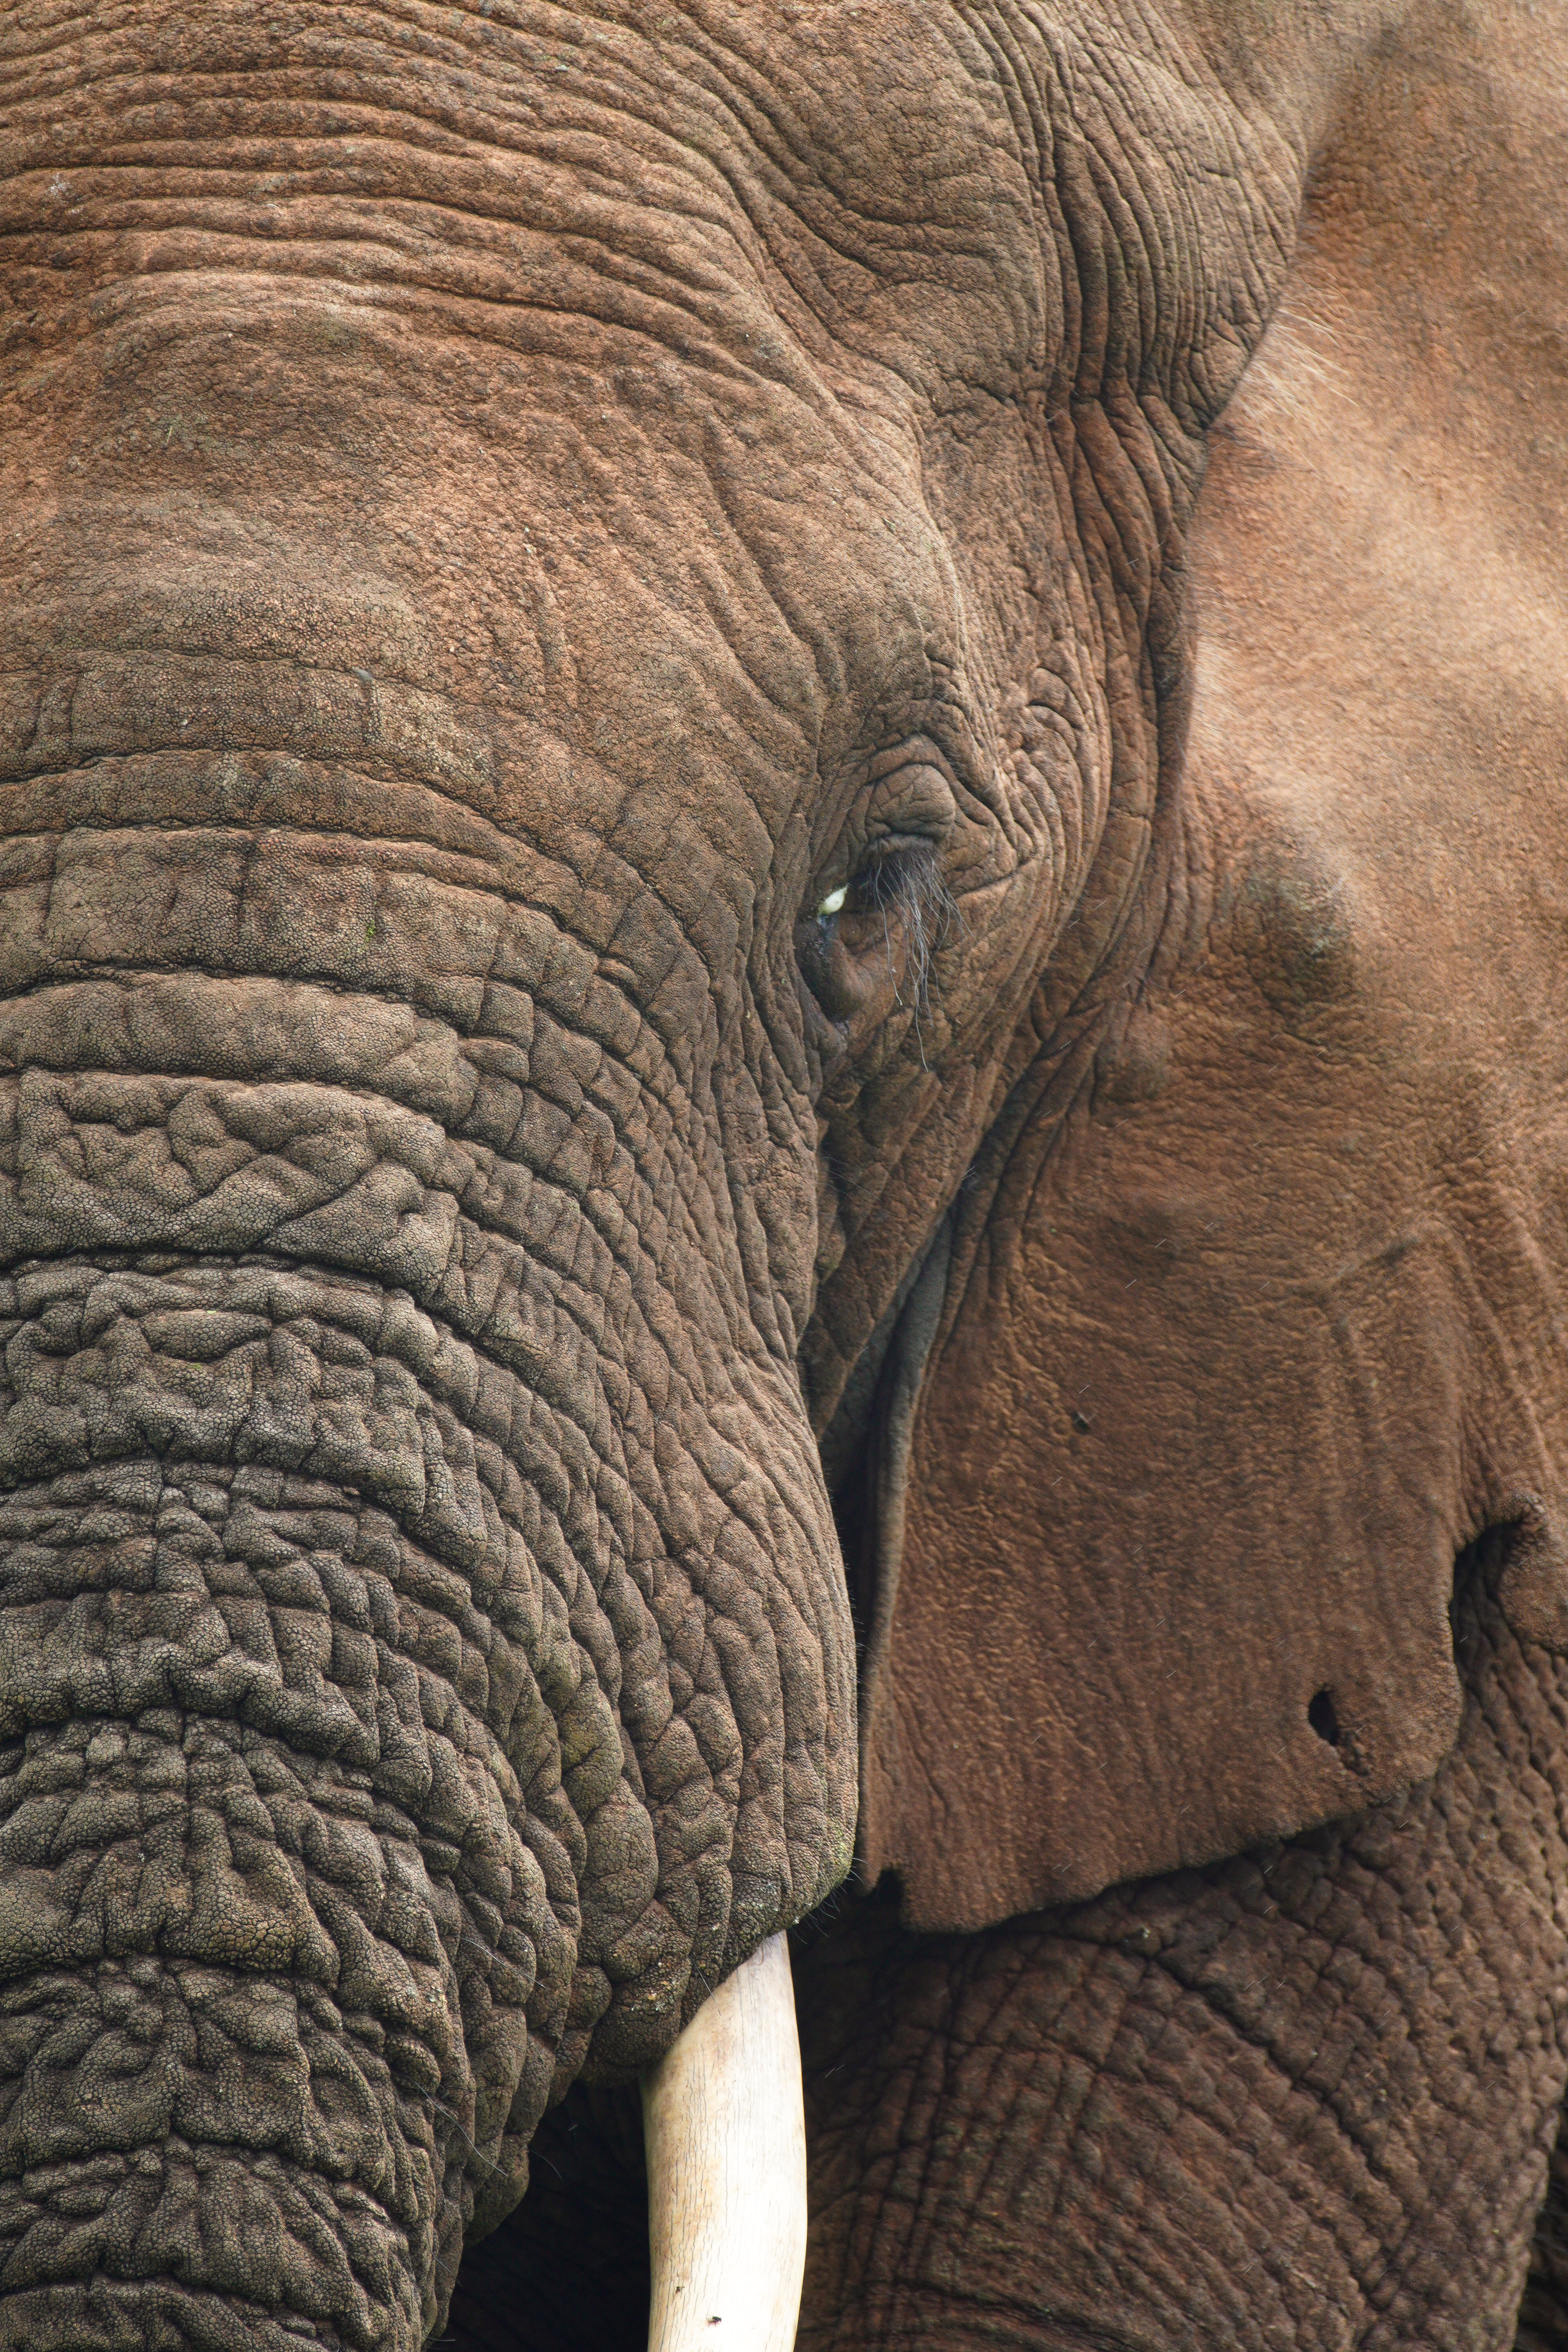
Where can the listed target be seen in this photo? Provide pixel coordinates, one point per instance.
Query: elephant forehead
(652, 164)
(921, 198)
(309, 528)
(579, 368)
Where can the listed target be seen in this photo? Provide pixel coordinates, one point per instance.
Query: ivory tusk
(725, 2134)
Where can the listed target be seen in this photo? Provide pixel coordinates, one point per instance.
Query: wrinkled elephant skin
(678, 906)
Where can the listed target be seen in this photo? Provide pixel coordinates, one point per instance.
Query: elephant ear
(1172, 1472)
(1248, 1329)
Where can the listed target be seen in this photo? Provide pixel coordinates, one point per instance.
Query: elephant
(781, 1111)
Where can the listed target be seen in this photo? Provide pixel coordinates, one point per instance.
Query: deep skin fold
(380, 708)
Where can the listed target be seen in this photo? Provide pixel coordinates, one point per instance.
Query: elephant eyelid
(901, 873)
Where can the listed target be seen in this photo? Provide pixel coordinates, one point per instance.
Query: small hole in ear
(1323, 1716)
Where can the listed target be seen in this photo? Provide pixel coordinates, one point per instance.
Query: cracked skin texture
(503, 511)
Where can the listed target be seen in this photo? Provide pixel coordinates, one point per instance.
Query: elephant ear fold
(1168, 1494)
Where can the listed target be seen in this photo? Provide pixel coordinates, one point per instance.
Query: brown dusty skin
(1302, 2099)
(661, 856)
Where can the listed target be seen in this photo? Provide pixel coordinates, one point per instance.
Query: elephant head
(598, 676)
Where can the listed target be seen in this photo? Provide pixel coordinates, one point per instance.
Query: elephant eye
(887, 919)
(902, 878)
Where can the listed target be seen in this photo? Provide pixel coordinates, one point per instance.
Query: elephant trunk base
(249, 2029)
(117, 2317)
(188, 2157)
(191, 2247)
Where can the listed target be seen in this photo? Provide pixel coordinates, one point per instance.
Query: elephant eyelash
(909, 883)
